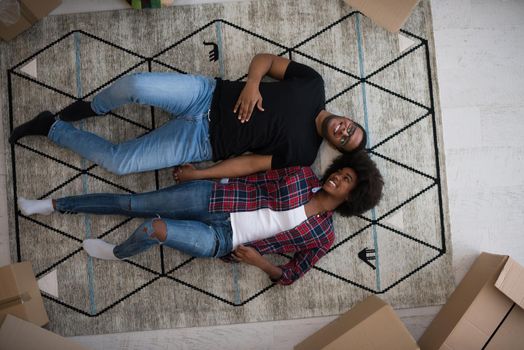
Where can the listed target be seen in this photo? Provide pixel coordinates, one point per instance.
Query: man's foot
(35, 206)
(97, 248)
(76, 111)
(39, 125)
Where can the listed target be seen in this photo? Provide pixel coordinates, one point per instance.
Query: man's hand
(183, 173)
(248, 99)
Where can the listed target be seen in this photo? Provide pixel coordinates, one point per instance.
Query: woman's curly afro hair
(368, 191)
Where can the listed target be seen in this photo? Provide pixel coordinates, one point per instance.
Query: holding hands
(185, 172)
(248, 99)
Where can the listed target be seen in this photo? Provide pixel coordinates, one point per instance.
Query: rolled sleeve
(301, 263)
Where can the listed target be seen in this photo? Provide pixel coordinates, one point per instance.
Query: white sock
(35, 206)
(97, 248)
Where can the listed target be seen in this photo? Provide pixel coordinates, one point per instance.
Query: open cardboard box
(17, 334)
(484, 312)
(390, 14)
(30, 12)
(20, 295)
(370, 325)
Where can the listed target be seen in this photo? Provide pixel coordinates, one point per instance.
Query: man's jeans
(191, 228)
(183, 139)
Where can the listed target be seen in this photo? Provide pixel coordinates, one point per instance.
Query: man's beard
(325, 123)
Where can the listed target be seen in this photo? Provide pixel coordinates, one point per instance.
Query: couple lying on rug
(282, 208)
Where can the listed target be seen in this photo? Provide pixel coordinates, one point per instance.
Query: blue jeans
(183, 139)
(190, 227)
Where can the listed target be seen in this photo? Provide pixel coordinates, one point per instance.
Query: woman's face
(340, 183)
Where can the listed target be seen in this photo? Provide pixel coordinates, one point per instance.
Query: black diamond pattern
(349, 81)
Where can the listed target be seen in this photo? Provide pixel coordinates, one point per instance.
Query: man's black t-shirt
(286, 129)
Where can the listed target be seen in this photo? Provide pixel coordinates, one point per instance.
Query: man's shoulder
(302, 71)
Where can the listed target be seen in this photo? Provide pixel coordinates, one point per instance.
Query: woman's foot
(35, 206)
(100, 249)
(39, 125)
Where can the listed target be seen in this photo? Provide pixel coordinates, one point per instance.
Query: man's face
(342, 133)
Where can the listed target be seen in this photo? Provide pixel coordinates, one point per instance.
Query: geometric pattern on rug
(382, 219)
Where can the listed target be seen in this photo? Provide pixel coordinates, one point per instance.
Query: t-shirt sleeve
(301, 71)
(284, 156)
(287, 156)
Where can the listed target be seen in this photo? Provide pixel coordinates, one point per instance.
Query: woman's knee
(159, 230)
(155, 229)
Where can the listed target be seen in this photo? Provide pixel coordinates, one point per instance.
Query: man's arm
(232, 167)
(261, 65)
(267, 64)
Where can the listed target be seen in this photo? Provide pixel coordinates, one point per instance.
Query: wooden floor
(480, 65)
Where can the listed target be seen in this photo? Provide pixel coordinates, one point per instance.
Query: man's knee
(159, 230)
(130, 86)
(116, 164)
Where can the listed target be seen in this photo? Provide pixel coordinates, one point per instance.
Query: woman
(277, 211)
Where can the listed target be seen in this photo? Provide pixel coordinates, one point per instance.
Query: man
(212, 120)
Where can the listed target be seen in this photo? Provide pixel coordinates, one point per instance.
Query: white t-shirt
(263, 223)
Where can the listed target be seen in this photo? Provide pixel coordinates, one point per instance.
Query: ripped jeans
(190, 227)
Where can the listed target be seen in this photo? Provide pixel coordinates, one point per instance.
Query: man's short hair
(368, 191)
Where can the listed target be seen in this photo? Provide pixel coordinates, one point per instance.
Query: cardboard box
(30, 12)
(17, 334)
(390, 14)
(20, 295)
(484, 311)
(370, 325)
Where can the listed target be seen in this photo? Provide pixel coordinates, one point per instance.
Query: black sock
(76, 111)
(39, 125)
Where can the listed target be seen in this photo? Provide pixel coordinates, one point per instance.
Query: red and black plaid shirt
(280, 189)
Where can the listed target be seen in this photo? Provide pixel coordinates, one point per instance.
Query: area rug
(399, 250)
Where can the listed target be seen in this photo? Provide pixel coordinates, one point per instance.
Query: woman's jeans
(191, 228)
(183, 139)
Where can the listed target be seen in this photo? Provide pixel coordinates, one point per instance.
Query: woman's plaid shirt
(280, 189)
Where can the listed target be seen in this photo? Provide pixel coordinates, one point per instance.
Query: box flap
(23, 281)
(510, 335)
(370, 325)
(8, 288)
(390, 14)
(33, 10)
(511, 282)
(480, 320)
(484, 271)
(18, 334)
(339, 326)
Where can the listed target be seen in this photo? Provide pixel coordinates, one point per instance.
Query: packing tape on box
(16, 300)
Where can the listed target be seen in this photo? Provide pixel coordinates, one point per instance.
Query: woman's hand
(183, 173)
(251, 256)
(247, 255)
(248, 99)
